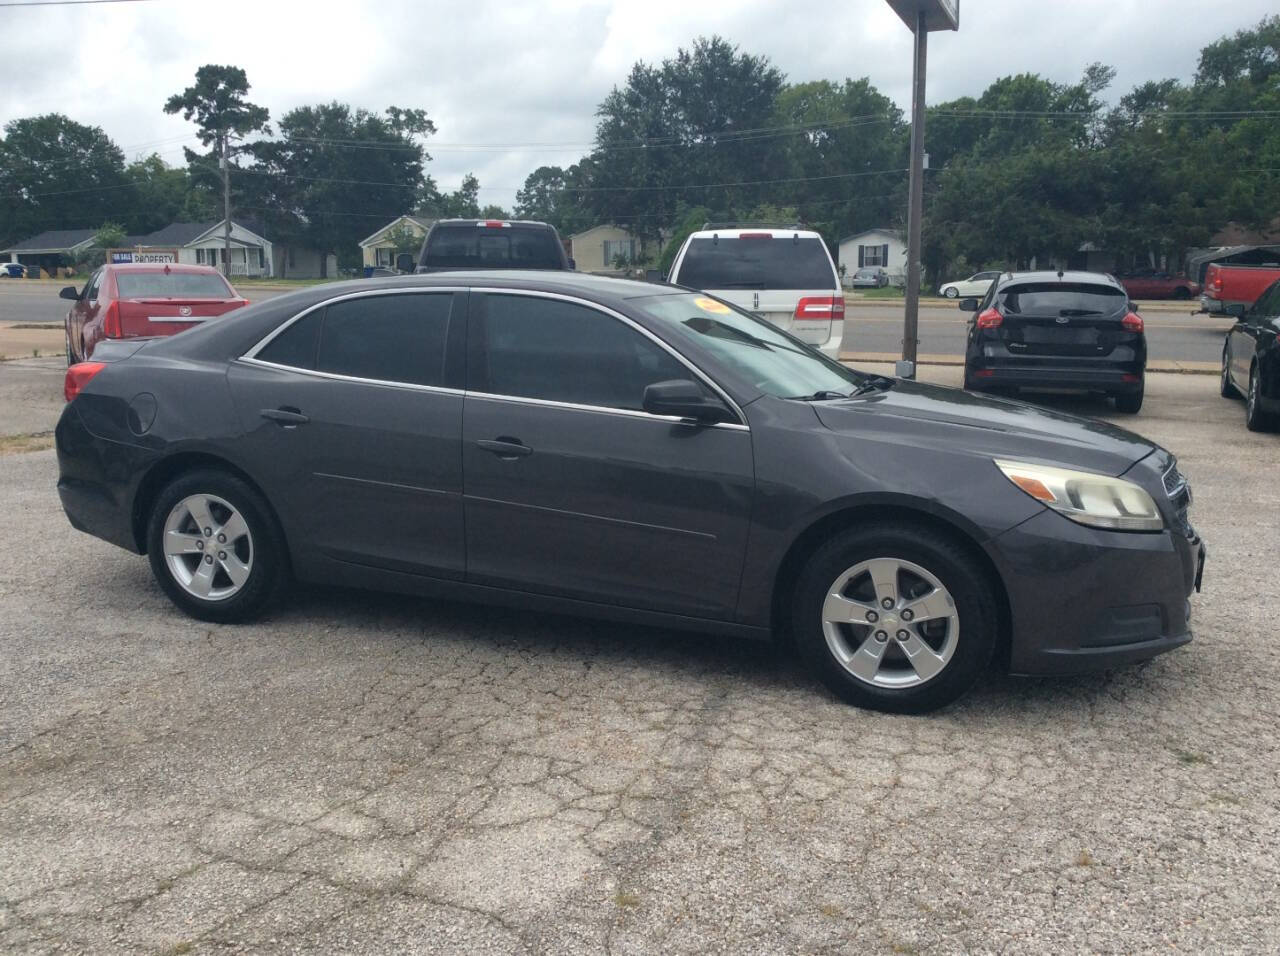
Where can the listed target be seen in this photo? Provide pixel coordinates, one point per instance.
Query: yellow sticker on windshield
(712, 306)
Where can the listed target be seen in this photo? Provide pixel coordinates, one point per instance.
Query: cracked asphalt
(368, 774)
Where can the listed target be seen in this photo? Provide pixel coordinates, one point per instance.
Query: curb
(1171, 366)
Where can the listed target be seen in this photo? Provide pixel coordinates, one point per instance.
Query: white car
(786, 276)
(973, 287)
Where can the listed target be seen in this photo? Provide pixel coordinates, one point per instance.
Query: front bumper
(1083, 599)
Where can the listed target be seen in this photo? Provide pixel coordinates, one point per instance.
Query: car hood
(977, 424)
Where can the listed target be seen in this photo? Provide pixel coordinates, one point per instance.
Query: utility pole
(920, 16)
(915, 204)
(226, 203)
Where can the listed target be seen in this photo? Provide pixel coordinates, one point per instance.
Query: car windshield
(171, 285)
(1061, 298)
(760, 352)
(482, 247)
(757, 263)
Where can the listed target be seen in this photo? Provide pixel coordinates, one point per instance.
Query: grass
(885, 292)
(19, 444)
(626, 900)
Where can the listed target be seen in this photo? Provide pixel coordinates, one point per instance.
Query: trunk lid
(155, 316)
(1063, 318)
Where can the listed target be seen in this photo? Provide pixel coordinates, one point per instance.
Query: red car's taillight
(111, 322)
(78, 376)
(820, 307)
(1132, 322)
(990, 319)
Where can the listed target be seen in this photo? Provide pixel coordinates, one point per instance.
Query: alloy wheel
(890, 623)
(208, 548)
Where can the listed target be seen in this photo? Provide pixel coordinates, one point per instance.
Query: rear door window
(1062, 299)
(781, 263)
(171, 285)
(481, 247)
(386, 338)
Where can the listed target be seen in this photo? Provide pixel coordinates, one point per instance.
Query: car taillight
(990, 319)
(78, 376)
(111, 322)
(820, 307)
(755, 235)
(496, 224)
(1132, 322)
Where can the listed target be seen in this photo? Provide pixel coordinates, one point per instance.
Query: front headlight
(1082, 496)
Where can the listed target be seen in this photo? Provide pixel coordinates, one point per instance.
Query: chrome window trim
(339, 377)
(362, 294)
(703, 376)
(606, 409)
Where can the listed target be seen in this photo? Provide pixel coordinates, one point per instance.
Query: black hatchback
(1067, 331)
(629, 451)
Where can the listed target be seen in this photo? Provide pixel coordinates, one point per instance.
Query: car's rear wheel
(1130, 403)
(951, 293)
(895, 618)
(214, 547)
(1254, 417)
(1225, 387)
(1182, 294)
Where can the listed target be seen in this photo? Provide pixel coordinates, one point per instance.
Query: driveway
(362, 773)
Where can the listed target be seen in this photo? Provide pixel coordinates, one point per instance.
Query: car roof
(737, 233)
(1049, 276)
(514, 223)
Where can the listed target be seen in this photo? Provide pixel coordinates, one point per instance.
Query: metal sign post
(921, 16)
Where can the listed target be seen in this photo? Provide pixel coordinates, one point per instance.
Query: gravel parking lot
(363, 773)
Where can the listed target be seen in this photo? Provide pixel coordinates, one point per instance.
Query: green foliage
(693, 221)
(111, 235)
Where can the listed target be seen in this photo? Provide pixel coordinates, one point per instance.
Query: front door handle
(285, 416)
(508, 449)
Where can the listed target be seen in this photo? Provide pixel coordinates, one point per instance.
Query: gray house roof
(175, 234)
(55, 240)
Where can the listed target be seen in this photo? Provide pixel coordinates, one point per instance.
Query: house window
(873, 255)
(619, 247)
(199, 257)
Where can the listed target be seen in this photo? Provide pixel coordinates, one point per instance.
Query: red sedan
(132, 301)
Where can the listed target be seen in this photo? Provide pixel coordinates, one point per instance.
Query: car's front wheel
(951, 292)
(895, 618)
(214, 547)
(1254, 417)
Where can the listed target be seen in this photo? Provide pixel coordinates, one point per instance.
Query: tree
(56, 173)
(336, 173)
(557, 196)
(162, 194)
(222, 115)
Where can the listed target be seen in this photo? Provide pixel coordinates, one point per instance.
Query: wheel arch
(167, 469)
(896, 510)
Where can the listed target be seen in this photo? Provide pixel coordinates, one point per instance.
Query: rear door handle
(285, 416)
(506, 448)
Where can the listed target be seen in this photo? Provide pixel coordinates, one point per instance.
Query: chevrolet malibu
(633, 452)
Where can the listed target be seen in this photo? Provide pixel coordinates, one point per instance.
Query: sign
(938, 14)
(143, 256)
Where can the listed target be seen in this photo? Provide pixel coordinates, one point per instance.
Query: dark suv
(453, 244)
(1074, 331)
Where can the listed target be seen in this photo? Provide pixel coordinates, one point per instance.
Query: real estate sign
(151, 256)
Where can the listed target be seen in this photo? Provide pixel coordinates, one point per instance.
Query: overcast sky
(496, 77)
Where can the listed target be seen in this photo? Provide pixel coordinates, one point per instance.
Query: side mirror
(653, 275)
(1133, 306)
(684, 399)
(969, 305)
(405, 262)
(1235, 308)
(69, 292)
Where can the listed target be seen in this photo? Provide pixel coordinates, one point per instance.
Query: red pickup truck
(1231, 285)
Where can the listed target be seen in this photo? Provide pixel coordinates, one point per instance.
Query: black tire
(267, 569)
(1130, 403)
(949, 561)
(1182, 294)
(1255, 419)
(1225, 388)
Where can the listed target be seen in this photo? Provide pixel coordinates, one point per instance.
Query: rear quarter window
(781, 263)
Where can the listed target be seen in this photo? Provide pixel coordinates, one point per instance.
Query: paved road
(376, 774)
(1171, 335)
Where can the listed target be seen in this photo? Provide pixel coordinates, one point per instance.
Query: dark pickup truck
(453, 244)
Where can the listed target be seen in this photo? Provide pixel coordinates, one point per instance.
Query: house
(597, 249)
(202, 244)
(380, 249)
(49, 250)
(875, 247)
